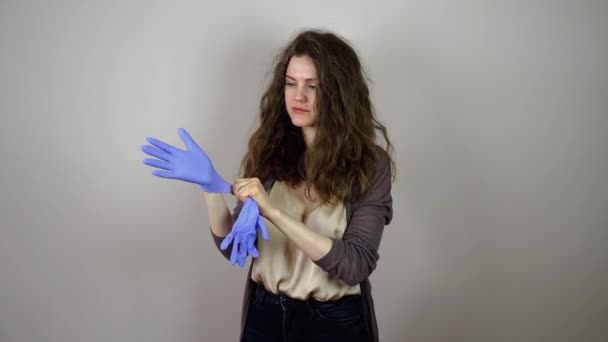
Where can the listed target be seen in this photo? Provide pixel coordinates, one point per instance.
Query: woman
(323, 188)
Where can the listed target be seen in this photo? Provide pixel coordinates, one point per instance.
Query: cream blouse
(283, 268)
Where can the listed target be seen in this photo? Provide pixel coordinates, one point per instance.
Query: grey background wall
(497, 110)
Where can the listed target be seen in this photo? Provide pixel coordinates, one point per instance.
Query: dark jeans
(273, 318)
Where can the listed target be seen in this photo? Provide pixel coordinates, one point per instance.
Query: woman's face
(300, 91)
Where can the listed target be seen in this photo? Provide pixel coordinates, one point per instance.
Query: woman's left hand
(252, 187)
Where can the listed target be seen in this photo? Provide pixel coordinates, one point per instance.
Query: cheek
(288, 94)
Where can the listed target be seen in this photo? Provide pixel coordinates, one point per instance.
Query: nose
(300, 96)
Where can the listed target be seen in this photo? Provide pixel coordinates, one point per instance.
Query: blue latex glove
(244, 233)
(250, 238)
(192, 165)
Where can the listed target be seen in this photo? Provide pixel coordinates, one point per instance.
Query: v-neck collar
(293, 194)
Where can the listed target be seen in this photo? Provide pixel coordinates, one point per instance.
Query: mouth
(300, 110)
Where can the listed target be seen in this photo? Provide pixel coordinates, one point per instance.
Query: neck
(309, 135)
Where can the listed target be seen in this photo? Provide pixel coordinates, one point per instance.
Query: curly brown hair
(343, 157)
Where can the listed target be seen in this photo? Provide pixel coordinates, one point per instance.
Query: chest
(309, 203)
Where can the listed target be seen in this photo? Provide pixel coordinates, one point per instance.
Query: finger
(239, 183)
(242, 180)
(235, 249)
(248, 190)
(243, 253)
(162, 145)
(242, 260)
(227, 240)
(155, 152)
(251, 248)
(187, 139)
(242, 187)
(237, 188)
(161, 164)
(263, 229)
(164, 174)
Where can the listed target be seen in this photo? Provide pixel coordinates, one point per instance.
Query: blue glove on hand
(244, 233)
(192, 165)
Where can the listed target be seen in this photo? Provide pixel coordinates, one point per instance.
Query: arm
(313, 244)
(353, 258)
(194, 166)
(220, 219)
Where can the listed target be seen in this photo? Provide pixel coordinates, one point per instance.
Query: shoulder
(383, 167)
(377, 198)
(382, 177)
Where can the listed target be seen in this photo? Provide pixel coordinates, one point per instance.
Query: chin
(298, 122)
(301, 124)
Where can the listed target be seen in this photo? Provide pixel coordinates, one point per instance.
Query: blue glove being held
(244, 233)
(192, 165)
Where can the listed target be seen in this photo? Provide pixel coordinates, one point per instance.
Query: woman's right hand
(192, 165)
(244, 233)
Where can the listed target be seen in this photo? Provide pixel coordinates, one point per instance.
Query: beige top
(283, 268)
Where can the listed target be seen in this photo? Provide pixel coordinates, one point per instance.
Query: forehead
(301, 67)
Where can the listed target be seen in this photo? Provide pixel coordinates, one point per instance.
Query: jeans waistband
(264, 296)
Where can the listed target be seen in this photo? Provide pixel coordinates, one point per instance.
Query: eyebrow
(308, 79)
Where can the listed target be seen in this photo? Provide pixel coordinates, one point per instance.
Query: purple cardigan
(353, 258)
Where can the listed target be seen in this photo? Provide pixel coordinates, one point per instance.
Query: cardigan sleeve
(353, 258)
(218, 240)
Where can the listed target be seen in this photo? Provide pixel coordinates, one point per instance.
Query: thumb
(187, 139)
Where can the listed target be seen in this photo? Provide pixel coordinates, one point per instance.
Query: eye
(289, 84)
(312, 87)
